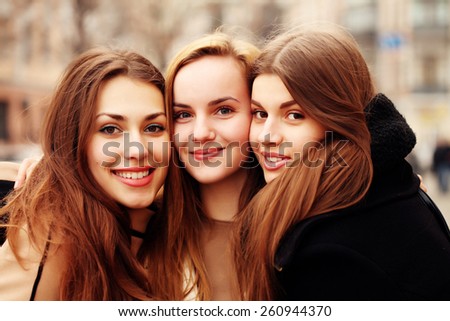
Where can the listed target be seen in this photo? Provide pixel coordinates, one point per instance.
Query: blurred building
(406, 43)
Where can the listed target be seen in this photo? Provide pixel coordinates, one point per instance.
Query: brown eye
(295, 116)
(259, 114)
(109, 130)
(154, 128)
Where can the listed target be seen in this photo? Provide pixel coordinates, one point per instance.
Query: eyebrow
(122, 118)
(221, 100)
(283, 105)
(211, 103)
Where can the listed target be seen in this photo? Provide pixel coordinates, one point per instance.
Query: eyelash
(260, 114)
(117, 130)
(301, 116)
(104, 129)
(159, 128)
(179, 114)
(184, 114)
(227, 108)
(257, 114)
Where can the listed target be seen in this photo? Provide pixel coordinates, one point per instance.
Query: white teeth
(273, 159)
(132, 175)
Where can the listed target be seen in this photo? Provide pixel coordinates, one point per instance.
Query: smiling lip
(136, 176)
(201, 154)
(274, 161)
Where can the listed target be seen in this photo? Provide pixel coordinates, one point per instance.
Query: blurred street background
(406, 43)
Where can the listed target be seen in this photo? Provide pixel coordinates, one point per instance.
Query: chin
(137, 205)
(270, 177)
(207, 180)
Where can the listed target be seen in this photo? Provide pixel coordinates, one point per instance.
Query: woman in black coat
(342, 216)
(392, 245)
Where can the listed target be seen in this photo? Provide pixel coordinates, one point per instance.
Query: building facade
(406, 43)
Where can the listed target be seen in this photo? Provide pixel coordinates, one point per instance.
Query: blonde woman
(208, 91)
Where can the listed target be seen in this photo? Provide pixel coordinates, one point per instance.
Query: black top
(5, 188)
(392, 245)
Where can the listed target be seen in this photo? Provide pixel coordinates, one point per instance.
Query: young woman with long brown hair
(79, 228)
(339, 219)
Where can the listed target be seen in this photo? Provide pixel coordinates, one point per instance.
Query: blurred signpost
(392, 40)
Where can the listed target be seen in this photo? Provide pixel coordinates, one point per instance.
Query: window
(3, 121)
(430, 13)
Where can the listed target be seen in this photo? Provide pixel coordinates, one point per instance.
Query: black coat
(392, 245)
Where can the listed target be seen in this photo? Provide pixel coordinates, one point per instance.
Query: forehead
(213, 75)
(270, 88)
(122, 93)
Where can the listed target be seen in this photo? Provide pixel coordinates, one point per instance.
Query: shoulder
(21, 274)
(28, 269)
(49, 283)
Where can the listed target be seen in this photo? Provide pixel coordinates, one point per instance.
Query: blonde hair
(187, 214)
(327, 76)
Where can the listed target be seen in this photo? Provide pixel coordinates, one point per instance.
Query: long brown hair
(61, 203)
(327, 76)
(186, 210)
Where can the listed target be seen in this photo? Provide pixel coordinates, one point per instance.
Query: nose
(135, 147)
(270, 134)
(203, 131)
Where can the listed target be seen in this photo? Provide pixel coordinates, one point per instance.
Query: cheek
(93, 159)
(304, 140)
(254, 132)
(181, 134)
(239, 130)
(160, 150)
(100, 153)
(93, 153)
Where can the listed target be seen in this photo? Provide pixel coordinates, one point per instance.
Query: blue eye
(182, 115)
(224, 111)
(109, 130)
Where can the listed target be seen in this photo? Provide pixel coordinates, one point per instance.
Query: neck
(221, 199)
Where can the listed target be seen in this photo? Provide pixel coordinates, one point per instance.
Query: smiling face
(280, 127)
(129, 147)
(211, 118)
